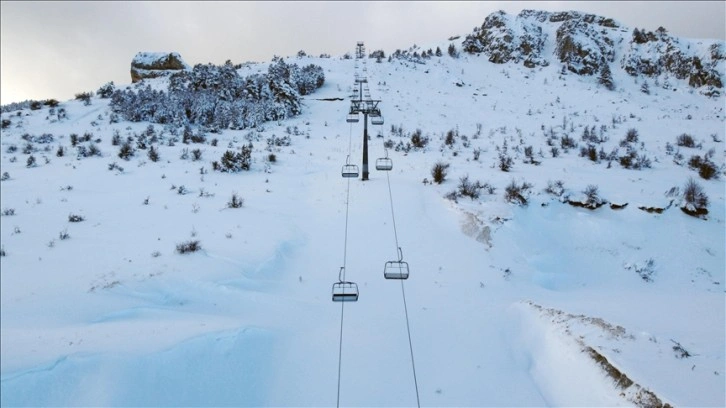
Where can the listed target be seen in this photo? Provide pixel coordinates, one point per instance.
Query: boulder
(155, 64)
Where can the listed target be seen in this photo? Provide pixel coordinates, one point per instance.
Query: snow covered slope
(543, 304)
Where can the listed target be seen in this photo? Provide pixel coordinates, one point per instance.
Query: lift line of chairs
(345, 291)
(376, 118)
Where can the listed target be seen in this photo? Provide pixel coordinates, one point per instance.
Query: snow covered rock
(655, 54)
(586, 44)
(506, 39)
(583, 47)
(155, 64)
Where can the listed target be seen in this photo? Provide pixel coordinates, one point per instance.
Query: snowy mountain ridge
(585, 44)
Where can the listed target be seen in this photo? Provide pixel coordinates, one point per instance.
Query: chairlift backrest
(345, 292)
(384, 164)
(377, 120)
(395, 270)
(352, 118)
(349, 170)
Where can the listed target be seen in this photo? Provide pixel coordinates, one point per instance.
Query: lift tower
(362, 103)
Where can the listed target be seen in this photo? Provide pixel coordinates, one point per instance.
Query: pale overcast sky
(56, 49)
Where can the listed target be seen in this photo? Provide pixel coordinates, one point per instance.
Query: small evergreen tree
(438, 172)
(606, 77)
(153, 154)
(452, 51)
(106, 90)
(126, 151)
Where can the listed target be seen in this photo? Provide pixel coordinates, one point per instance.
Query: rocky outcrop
(155, 64)
(653, 54)
(583, 47)
(587, 44)
(506, 39)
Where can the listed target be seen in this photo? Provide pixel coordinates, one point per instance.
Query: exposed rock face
(155, 64)
(506, 39)
(587, 44)
(582, 47)
(654, 54)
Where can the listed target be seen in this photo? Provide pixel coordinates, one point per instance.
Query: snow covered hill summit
(174, 242)
(587, 44)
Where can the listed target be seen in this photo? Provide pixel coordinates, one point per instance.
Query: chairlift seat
(377, 120)
(345, 292)
(350, 170)
(352, 118)
(396, 270)
(384, 164)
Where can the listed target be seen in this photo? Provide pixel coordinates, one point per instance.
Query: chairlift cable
(345, 254)
(350, 138)
(393, 215)
(340, 351)
(410, 345)
(403, 293)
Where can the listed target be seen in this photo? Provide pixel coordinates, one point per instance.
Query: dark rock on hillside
(155, 64)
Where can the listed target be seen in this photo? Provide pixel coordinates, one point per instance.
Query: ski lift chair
(352, 118)
(396, 269)
(349, 170)
(384, 163)
(376, 119)
(344, 291)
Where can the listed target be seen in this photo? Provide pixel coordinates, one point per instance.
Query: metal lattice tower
(361, 102)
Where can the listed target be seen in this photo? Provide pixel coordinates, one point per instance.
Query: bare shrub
(517, 193)
(680, 351)
(556, 188)
(126, 151)
(468, 189)
(114, 166)
(505, 162)
(235, 201)
(85, 97)
(631, 136)
(685, 140)
(188, 247)
(592, 196)
(694, 198)
(450, 138)
(419, 141)
(75, 218)
(705, 167)
(153, 154)
(567, 142)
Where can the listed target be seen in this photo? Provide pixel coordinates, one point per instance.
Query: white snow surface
(503, 300)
